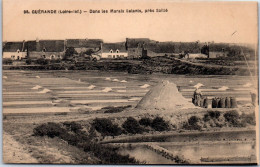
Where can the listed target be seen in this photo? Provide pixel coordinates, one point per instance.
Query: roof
(135, 42)
(160, 47)
(48, 45)
(106, 47)
(87, 43)
(13, 46)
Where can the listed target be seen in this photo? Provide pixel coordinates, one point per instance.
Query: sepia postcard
(130, 82)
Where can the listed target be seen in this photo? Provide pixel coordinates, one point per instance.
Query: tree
(131, 125)
(159, 124)
(89, 52)
(69, 53)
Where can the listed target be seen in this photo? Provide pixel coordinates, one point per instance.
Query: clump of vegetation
(193, 123)
(42, 61)
(49, 129)
(106, 127)
(78, 138)
(232, 117)
(131, 125)
(159, 124)
(73, 126)
(145, 121)
(28, 61)
(7, 61)
(61, 113)
(211, 115)
(111, 109)
(213, 119)
(248, 119)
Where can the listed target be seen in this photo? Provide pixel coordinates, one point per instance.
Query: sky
(185, 21)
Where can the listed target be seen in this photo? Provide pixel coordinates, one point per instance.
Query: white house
(114, 51)
(14, 50)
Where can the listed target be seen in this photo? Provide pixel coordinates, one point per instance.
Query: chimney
(38, 49)
(101, 47)
(23, 46)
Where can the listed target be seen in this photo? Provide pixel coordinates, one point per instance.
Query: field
(92, 89)
(31, 98)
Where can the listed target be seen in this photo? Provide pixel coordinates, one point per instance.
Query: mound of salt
(107, 89)
(45, 90)
(123, 81)
(115, 80)
(121, 91)
(223, 88)
(4, 77)
(37, 87)
(247, 85)
(91, 87)
(108, 79)
(165, 95)
(37, 76)
(145, 86)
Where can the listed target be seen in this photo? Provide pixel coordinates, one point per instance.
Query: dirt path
(13, 152)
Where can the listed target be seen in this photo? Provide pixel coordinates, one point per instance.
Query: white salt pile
(165, 95)
(91, 87)
(223, 88)
(108, 79)
(45, 90)
(115, 80)
(37, 87)
(121, 91)
(135, 99)
(145, 86)
(198, 85)
(37, 76)
(123, 81)
(107, 89)
(4, 77)
(247, 85)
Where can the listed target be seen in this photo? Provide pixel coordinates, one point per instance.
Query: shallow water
(194, 153)
(143, 154)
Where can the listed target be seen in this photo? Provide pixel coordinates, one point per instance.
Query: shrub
(73, 126)
(214, 114)
(248, 118)
(7, 61)
(106, 127)
(106, 154)
(28, 61)
(159, 124)
(232, 117)
(131, 125)
(115, 109)
(192, 123)
(145, 121)
(42, 61)
(211, 115)
(193, 120)
(49, 129)
(55, 61)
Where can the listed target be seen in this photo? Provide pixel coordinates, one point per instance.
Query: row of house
(131, 48)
